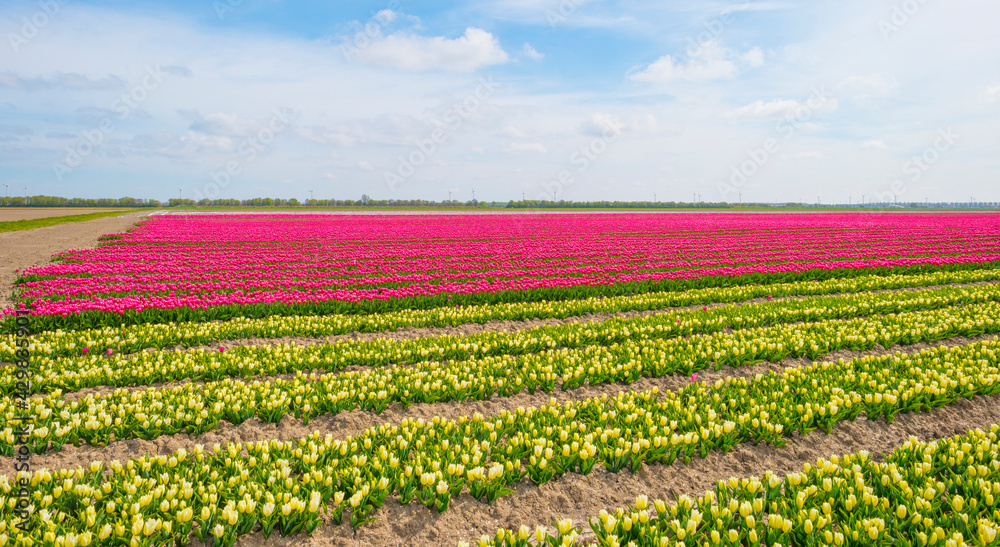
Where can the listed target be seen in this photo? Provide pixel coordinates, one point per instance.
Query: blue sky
(568, 99)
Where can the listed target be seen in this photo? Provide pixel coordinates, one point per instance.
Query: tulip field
(256, 379)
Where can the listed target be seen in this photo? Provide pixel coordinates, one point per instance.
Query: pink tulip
(222, 349)
(85, 350)
(694, 377)
(109, 351)
(201, 261)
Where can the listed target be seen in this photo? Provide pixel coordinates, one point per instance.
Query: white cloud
(531, 52)
(388, 129)
(600, 123)
(66, 81)
(713, 62)
(863, 87)
(527, 147)
(665, 69)
(991, 95)
(754, 57)
(475, 49)
(781, 107)
(219, 123)
(513, 132)
(366, 166)
(810, 155)
(761, 109)
(874, 144)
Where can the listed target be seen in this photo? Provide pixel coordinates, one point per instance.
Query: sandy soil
(351, 423)
(31, 213)
(19, 250)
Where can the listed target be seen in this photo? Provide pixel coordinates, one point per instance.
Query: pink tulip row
(200, 261)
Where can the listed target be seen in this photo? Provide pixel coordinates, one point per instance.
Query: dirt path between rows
(353, 422)
(22, 249)
(8, 214)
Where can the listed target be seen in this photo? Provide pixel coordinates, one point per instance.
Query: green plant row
(192, 408)
(291, 486)
(94, 369)
(944, 492)
(96, 319)
(30, 224)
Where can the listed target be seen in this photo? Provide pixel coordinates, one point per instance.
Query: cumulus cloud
(713, 62)
(408, 51)
(531, 52)
(874, 144)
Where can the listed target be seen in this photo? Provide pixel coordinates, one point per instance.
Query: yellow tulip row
(293, 485)
(943, 493)
(73, 373)
(131, 339)
(195, 408)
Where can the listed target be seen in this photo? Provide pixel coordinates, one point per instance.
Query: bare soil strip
(20, 250)
(351, 423)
